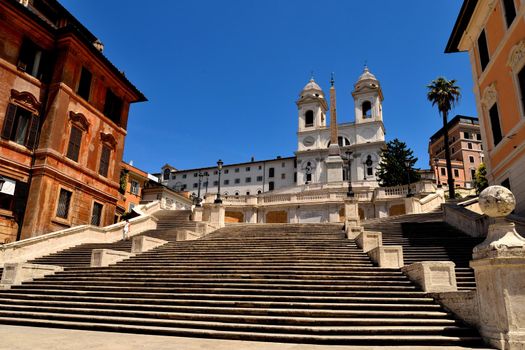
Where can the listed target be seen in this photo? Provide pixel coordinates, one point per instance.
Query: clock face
(308, 141)
(368, 134)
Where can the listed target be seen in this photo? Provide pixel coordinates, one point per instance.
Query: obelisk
(334, 162)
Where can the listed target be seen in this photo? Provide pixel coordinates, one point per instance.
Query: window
(452, 150)
(367, 109)
(75, 139)
(456, 173)
(184, 176)
(96, 215)
(510, 11)
(283, 176)
(308, 119)
(195, 185)
(369, 171)
(34, 61)
(283, 164)
(226, 182)
(248, 179)
(104, 161)
(466, 135)
(84, 85)
(483, 50)
(131, 206)
(134, 187)
(226, 171)
(64, 200)
(173, 177)
(295, 162)
(236, 193)
(471, 159)
(478, 137)
(271, 186)
(247, 168)
(259, 178)
(259, 192)
(247, 193)
(521, 82)
(237, 181)
(215, 183)
(472, 174)
(20, 126)
(215, 172)
(236, 170)
(166, 174)
(469, 145)
(112, 106)
(260, 167)
(295, 177)
(195, 174)
(271, 172)
(443, 171)
(494, 121)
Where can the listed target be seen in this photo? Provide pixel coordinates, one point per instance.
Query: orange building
(493, 33)
(132, 183)
(466, 151)
(63, 117)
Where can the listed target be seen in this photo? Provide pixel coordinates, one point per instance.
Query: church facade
(316, 161)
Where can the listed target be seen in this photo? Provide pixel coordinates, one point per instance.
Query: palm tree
(445, 94)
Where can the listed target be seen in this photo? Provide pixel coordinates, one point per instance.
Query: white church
(317, 162)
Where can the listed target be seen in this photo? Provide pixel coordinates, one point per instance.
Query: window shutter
(33, 132)
(9, 121)
(75, 138)
(104, 161)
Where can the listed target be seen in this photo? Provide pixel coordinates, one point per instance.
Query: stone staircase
(426, 237)
(277, 282)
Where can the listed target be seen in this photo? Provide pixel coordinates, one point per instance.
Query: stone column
(499, 266)
(334, 162)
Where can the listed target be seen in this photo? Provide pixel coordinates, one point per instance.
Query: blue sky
(222, 77)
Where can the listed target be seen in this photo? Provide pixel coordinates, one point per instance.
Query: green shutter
(9, 120)
(33, 132)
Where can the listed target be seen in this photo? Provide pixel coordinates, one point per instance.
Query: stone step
(369, 339)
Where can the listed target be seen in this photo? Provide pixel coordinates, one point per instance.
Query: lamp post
(350, 192)
(218, 200)
(436, 162)
(407, 167)
(206, 182)
(198, 199)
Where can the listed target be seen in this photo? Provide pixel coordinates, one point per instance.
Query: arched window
(309, 118)
(166, 174)
(367, 109)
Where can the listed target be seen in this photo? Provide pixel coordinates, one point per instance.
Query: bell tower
(311, 107)
(368, 98)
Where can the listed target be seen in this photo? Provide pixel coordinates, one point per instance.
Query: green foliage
(443, 93)
(393, 170)
(480, 181)
(123, 181)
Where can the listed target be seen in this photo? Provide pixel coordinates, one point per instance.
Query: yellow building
(493, 33)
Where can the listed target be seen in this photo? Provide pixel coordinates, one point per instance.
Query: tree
(480, 180)
(445, 94)
(393, 170)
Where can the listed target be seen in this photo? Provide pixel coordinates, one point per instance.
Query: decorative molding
(80, 120)
(517, 56)
(490, 95)
(26, 99)
(108, 139)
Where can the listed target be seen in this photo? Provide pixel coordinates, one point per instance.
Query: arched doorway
(233, 216)
(397, 209)
(277, 217)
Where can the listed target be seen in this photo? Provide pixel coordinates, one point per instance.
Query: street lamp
(436, 162)
(218, 200)
(198, 199)
(407, 167)
(350, 192)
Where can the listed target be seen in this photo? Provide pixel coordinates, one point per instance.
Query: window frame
(73, 129)
(101, 214)
(67, 218)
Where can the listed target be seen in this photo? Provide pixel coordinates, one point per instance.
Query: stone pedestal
(198, 214)
(334, 165)
(390, 256)
(16, 273)
(433, 276)
(217, 212)
(499, 267)
(351, 216)
(106, 257)
(142, 244)
(500, 280)
(354, 232)
(369, 240)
